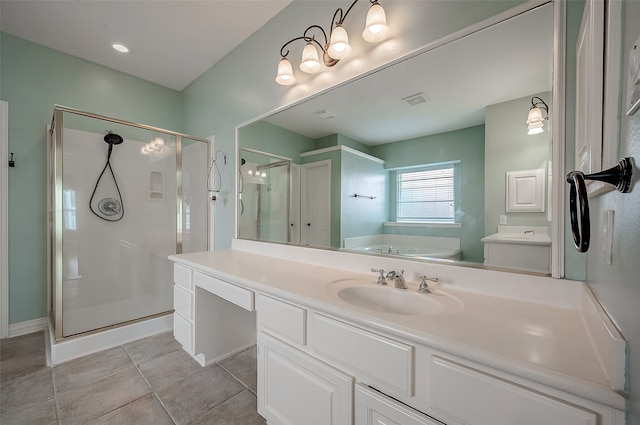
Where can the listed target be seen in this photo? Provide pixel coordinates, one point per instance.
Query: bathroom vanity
(334, 347)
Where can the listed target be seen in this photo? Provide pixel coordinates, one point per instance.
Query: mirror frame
(557, 121)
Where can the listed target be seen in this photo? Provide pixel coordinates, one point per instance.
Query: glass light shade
(536, 130)
(310, 63)
(535, 115)
(339, 47)
(376, 26)
(285, 73)
(535, 121)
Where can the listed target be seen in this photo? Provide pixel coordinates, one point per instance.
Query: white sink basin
(387, 299)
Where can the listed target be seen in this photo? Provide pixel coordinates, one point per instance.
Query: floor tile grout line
(150, 387)
(235, 377)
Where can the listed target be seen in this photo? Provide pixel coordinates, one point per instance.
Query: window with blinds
(426, 195)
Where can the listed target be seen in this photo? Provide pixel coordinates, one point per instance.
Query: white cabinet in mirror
(470, 130)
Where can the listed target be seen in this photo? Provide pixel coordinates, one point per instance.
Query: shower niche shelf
(156, 186)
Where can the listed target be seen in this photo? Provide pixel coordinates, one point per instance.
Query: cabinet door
(374, 408)
(462, 395)
(296, 389)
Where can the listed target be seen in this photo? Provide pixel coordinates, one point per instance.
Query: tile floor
(149, 381)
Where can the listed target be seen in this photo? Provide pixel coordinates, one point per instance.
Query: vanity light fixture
(335, 47)
(156, 145)
(536, 120)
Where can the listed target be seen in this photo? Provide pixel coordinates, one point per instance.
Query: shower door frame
(55, 221)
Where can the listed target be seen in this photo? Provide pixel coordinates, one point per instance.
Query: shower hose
(108, 206)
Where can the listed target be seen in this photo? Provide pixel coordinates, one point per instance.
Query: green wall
(241, 86)
(270, 138)
(466, 146)
(33, 79)
(363, 216)
(508, 147)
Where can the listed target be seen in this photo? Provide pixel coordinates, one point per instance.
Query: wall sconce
(333, 48)
(536, 120)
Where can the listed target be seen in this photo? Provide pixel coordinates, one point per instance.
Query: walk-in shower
(117, 210)
(264, 196)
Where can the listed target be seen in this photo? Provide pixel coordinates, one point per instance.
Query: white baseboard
(28, 326)
(72, 348)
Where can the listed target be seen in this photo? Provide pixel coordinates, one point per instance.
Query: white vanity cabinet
(308, 361)
(213, 318)
(322, 366)
(295, 388)
(183, 306)
(374, 408)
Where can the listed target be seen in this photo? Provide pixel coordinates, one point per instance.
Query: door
(4, 219)
(294, 215)
(315, 198)
(589, 89)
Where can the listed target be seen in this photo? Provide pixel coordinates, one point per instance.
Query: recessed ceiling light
(120, 47)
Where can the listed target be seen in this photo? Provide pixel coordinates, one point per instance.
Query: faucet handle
(424, 286)
(381, 278)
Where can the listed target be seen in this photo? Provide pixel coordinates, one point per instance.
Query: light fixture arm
(540, 104)
(310, 38)
(335, 44)
(344, 16)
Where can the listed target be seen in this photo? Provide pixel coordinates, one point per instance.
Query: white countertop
(520, 235)
(547, 344)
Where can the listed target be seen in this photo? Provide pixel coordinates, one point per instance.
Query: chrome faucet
(424, 286)
(397, 278)
(381, 279)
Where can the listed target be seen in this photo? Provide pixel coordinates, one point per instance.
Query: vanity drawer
(281, 319)
(183, 302)
(382, 362)
(233, 293)
(182, 276)
(374, 408)
(182, 331)
(468, 396)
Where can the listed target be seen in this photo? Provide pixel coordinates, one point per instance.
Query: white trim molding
(4, 219)
(28, 327)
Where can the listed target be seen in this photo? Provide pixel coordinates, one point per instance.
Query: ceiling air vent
(415, 99)
(324, 114)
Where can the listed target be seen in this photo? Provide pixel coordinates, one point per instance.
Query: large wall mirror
(429, 157)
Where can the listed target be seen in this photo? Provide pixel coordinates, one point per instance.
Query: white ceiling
(507, 61)
(171, 42)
